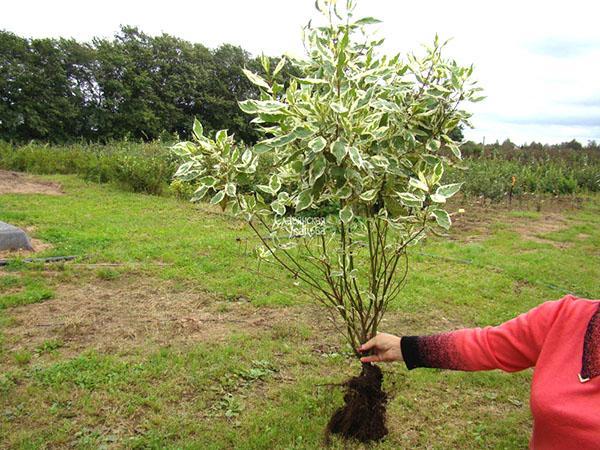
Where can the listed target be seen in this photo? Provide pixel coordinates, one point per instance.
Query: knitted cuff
(409, 345)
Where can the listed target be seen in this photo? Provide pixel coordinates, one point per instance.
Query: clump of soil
(363, 415)
(20, 183)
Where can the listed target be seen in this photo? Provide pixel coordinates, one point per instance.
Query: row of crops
(496, 179)
(492, 174)
(495, 172)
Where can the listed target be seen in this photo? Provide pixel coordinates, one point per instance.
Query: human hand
(385, 348)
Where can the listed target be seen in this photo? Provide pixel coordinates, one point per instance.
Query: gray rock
(13, 238)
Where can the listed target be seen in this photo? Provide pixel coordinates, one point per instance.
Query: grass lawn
(165, 333)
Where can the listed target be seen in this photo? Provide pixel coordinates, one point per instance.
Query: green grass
(33, 293)
(257, 389)
(95, 221)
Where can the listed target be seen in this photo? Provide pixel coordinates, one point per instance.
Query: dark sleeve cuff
(409, 345)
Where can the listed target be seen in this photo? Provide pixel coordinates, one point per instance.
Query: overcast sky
(539, 61)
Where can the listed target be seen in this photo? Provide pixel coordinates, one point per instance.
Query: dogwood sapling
(360, 133)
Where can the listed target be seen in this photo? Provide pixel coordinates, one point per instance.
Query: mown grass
(159, 236)
(261, 390)
(32, 292)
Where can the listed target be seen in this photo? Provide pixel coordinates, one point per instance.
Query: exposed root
(363, 415)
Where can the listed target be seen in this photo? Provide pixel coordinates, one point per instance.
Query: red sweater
(561, 339)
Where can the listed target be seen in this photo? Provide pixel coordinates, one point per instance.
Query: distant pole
(483, 148)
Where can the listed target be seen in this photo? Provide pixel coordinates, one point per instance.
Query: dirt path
(20, 183)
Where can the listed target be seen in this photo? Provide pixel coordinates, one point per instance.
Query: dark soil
(363, 415)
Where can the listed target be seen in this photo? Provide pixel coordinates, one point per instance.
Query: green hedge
(138, 167)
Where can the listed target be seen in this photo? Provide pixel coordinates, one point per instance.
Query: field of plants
(150, 339)
(149, 167)
(562, 169)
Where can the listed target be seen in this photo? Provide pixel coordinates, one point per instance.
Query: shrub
(364, 136)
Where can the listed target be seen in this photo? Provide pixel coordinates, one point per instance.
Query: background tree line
(131, 86)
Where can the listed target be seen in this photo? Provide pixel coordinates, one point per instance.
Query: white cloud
(537, 60)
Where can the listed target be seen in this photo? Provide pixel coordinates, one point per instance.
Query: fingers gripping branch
(383, 348)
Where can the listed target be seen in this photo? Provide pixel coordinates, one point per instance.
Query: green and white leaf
(344, 192)
(367, 21)
(317, 144)
(448, 190)
(304, 200)
(339, 150)
(275, 184)
(261, 148)
(199, 193)
(184, 168)
(410, 200)
(346, 214)
(279, 66)
(433, 145)
(355, 157)
(339, 108)
(230, 189)
(442, 218)
(209, 181)
(278, 208)
(218, 197)
(318, 167)
(221, 136)
(418, 184)
(437, 198)
(256, 79)
(370, 195)
(455, 150)
(198, 129)
(312, 81)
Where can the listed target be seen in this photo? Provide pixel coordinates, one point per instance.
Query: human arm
(512, 346)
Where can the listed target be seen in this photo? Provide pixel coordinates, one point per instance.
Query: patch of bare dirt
(118, 315)
(132, 313)
(20, 183)
(475, 223)
(535, 229)
(472, 225)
